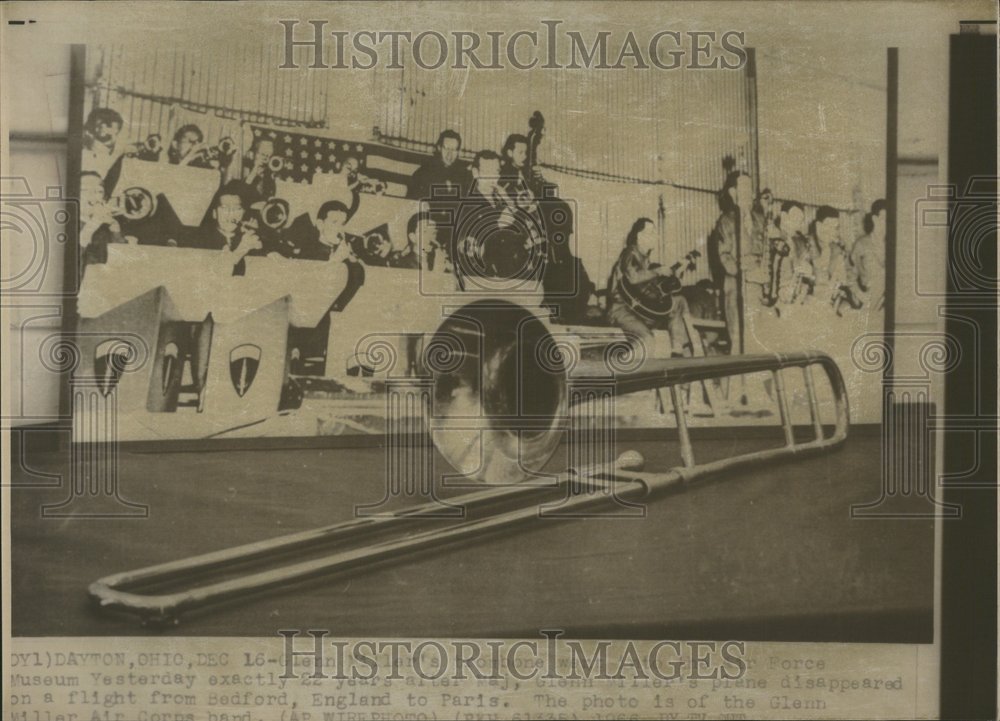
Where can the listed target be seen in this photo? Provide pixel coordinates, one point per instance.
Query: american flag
(307, 154)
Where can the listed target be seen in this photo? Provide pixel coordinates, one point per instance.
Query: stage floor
(766, 554)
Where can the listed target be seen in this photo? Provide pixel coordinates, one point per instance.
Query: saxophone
(778, 250)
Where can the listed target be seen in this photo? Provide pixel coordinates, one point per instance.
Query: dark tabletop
(770, 553)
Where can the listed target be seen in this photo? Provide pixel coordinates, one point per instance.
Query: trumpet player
(259, 173)
(328, 241)
(186, 147)
(831, 255)
(98, 225)
(325, 240)
(763, 216)
(228, 232)
(100, 141)
(423, 248)
(351, 172)
(442, 170)
(794, 274)
(135, 216)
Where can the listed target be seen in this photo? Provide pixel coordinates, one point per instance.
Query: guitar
(653, 299)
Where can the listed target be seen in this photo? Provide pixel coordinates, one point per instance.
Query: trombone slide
(362, 542)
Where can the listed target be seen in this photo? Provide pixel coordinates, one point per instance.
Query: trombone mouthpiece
(631, 461)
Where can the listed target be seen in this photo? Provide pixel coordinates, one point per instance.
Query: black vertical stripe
(969, 580)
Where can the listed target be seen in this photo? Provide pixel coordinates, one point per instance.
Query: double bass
(568, 288)
(536, 183)
(521, 247)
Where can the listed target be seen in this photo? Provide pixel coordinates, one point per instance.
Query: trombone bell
(499, 413)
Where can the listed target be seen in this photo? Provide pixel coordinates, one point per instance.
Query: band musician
(633, 272)
(441, 171)
(732, 243)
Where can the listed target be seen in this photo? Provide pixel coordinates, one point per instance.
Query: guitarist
(633, 267)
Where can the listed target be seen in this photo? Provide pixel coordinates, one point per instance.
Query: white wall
(36, 101)
(822, 124)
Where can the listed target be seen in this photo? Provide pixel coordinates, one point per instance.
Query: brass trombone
(491, 349)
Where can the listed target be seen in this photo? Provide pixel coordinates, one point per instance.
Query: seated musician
(568, 287)
(762, 218)
(99, 226)
(138, 219)
(379, 252)
(100, 142)
(795, 273)
(324, 237)
(419, 226)
(258, 174)
(494, 235)
(226, 230)
(423, 242)
(514, 174)
(330, 242)
(186, 147)
(161, 227)
(350, 172)
(633, 268)
(375, 250)
(327, 242)
(442, 170)
(480, 216)
(831, 255)
(866, 271)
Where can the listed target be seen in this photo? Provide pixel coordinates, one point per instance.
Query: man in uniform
(442, 170)
(867, 260)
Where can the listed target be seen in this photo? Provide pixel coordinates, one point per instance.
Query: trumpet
(133, 203)
(274, 213)
(276, 164)
(216, 153)
(502, 357)
(148, 148)
(370, 185)
(226, 146)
